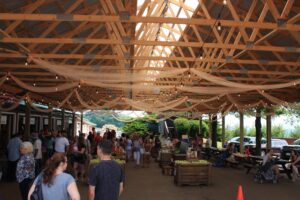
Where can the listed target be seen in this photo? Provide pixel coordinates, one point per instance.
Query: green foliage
(182, 126)
(278, 131)
(138, 126)
(190, 127)
(205, 128)
(295, 133)
(194, 128)
(102, 119)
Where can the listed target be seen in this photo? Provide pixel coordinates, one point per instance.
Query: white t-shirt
(60, 144)
(38, 146)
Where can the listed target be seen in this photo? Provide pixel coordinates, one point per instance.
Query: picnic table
(284, 169)
(257, 160)
(208, 152)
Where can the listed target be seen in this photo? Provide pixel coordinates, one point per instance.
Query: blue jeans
(137, 157)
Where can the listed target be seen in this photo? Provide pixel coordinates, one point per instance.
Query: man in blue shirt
(13, 154)
(106, 178)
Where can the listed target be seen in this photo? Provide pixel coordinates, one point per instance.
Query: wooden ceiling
(259, 43)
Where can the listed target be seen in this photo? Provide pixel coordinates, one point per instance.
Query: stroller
(265, 173)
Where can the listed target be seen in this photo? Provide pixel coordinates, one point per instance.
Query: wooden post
(209, 126)
(74, 124)
(258, 132)
(200, 126)
(62, 119)
(27, 121)
(269, 130)
(0, 123)
(214, 130)
(50, 121)
(241, 132)
(223, 130)
(81, 122)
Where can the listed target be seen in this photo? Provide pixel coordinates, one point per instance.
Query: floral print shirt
(25, 167)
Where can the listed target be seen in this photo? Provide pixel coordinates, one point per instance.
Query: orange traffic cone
(240, 195)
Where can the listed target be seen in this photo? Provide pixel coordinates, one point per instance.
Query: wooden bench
(232, 163)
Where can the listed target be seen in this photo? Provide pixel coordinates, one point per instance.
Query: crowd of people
(46, 157)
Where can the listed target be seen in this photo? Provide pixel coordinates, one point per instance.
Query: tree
(182, 126)
(278, 131)
(194, 128)
(137, 126)
(295, 133)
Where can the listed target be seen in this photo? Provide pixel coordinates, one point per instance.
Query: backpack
(38, 192)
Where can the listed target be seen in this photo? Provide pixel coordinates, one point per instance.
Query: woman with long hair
(55, 183)
(295, 164)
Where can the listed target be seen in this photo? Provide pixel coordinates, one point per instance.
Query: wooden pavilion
(200, 56)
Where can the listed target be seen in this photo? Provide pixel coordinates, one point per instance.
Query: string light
(181, 84)
(79, 85)
(189, 74)
(224, 2)
(34, 84)
(219, 27)
(26, 63)
(97, 92)
(56, 77)
(56, 89)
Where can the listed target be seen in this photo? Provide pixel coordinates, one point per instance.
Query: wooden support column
(258, 131)
(62, 119)
(50, 128)
(209, 126)
(27, 121)
(269, 130)
(0, 123)
(241, 132)
(223, 130)
(214, 135)
(81, 122)
(74, 124)
(200, 126)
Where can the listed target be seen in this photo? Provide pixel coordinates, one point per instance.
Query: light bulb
(201, 57)
(189, 74)
(56, 77)
(26, 63)
(224, 2)
(219, 27)
(7, 78)
(97, 92)
(79, 86)
(34, 84)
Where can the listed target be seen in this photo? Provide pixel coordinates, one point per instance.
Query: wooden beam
(138, 19)
(148, 43)
(172, 58)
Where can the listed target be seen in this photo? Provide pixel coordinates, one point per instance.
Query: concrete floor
(149, 183)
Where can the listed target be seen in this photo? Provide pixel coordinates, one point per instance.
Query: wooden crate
(165, 159)
(192, 174)
(179, 157)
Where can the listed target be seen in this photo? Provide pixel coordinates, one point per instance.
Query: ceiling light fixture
(219, 27)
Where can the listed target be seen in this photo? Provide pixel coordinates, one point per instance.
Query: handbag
(37, 193)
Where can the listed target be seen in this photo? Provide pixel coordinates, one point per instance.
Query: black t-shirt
(106, 177)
